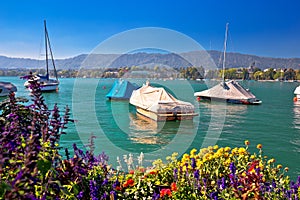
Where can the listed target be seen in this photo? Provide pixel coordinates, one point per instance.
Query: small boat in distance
(230, 91)
(46, 84)
(297, 93)
(6, 88)
(157, 104)
(121, 90)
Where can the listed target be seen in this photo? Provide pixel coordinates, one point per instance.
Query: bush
(31, 166)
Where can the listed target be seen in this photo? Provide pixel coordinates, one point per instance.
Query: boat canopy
(6, 88)
(227, 90)
(157, 99)
(121, 89)
(297, 90)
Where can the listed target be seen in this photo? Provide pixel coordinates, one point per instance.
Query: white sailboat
(229, 91)
(46, 83)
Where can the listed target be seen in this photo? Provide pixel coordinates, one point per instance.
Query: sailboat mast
(224, 55)
(46, 48)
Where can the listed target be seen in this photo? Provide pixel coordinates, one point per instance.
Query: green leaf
(43, 166)
(3, 188)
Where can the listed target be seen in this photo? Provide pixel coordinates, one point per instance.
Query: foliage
(32, 168)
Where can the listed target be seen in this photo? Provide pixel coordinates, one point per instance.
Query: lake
(119, 131)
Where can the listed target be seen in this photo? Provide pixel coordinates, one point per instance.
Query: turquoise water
(275, 124)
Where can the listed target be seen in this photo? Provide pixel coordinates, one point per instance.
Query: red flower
(131, 172)
(152, 172)
(164, 192)
(173, 186)
(118, 188)
(129, 182)
(253, 166)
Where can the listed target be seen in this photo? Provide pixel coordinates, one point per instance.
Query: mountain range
(207, 59)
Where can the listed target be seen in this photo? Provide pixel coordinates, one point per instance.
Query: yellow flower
(199, 163)
(193, 151)
(227, 162)
(220, 151)
(247, 142)
(185, 158)
(234, 151)
(286, 169)
(279, 166)
(242, 151)
(271, 161)
(259, 146)
(216, 147)
(227, 149)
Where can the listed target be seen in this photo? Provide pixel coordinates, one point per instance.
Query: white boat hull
(169, 116)
(45, 86)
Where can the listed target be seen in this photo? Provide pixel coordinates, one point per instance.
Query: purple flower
(105, 182)
(196, 174)
(232, 167)
(204, 181)
(116, 184)
(193, 164)
(80, 195)
(214, 195)
(114, 194)
(175, 171)
(93, 190)
(155, 196)
(223, 185)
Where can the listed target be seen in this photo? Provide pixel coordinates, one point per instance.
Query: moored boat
(121, 90)
(157, 104)
(6, 88)
(297, 94)
(230, 91)
(46, 84)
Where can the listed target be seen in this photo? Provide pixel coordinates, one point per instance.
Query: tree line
(190, 73)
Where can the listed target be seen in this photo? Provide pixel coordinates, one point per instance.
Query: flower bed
(32, 168)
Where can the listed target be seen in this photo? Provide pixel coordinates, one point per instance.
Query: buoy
(295, 99)
(198, 98)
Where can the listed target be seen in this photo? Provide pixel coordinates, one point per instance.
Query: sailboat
(230, 91)
(46, 84)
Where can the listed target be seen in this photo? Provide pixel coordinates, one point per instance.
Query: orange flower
(247, 142)
(152, 172)
(173, 186)
(259, 146)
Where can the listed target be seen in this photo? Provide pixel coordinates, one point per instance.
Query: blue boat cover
(121, 89)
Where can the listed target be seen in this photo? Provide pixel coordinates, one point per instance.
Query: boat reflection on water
(297, 114)
(296, 122)
(147, 131)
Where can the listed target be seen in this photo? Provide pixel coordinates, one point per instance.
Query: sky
(264, 28)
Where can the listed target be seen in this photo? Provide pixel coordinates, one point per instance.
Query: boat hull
(45, 86)
(166, 116)
(6, 88)
(232, 101)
